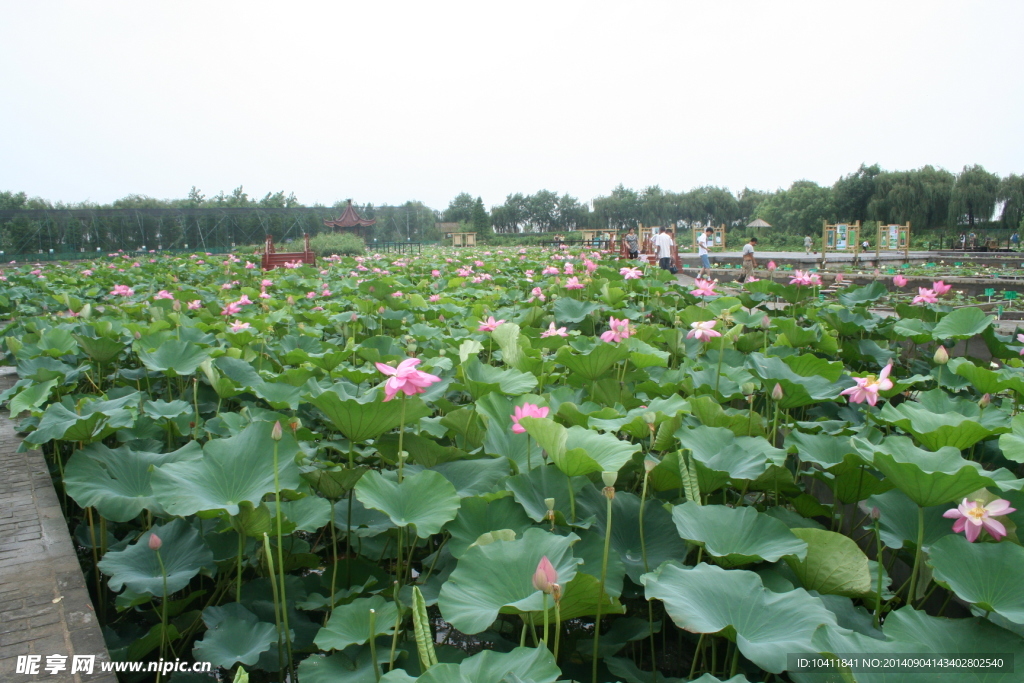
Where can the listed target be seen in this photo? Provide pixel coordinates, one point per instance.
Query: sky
(385, 102)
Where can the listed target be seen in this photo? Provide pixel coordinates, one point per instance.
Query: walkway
(44, 606)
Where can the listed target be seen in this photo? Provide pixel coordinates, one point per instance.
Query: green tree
(460, 209)
(974, 195)
(748, 201)
(921, 196)
(800, 209)
(853, 192)
(481, 220)
(1011, 193)
(620, 210)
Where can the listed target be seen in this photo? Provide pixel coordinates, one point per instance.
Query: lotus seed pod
(609, 478)
(650, 464)
(550, 503)
(748, 388)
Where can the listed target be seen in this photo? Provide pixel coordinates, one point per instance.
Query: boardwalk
(44, 606)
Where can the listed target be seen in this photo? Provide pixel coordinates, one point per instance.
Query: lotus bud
(290, 300)
(985, 401)
(550, 503)
(154, 542)
(941, 356)
(138, 335)
(777, 393)
(609, 478)
(650, 418)
(546, 576)
(748, 388)
(176, 306)
(876, 514)
(766, 322)
(354, 317)
(276, 433)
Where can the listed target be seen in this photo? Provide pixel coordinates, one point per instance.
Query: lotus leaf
(985, 574)
(736, 536)
(426, 499)
(136, 567)
(834, 564)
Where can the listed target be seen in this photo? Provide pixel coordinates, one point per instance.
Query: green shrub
(329, 243)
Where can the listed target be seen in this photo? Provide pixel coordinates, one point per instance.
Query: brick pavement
(45, 608)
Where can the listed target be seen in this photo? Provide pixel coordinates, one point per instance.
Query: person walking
(749, 263)
(703, 242)
(808, 243)
(632, 244)
(663, 243)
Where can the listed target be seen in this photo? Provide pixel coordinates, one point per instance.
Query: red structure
(349, 220)
(274, 259)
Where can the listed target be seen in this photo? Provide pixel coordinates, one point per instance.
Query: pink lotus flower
(971, 517)
(526, 410)
(703, 330)
(589, 265)
(628, 273)
(545, 579)
(310, 295)
(266, 283)
(163, 294)
(245, 300)
(249, 265)
(239, 326)
(435, 273)
(839, 278)
(868, 387)
(568, 269)
(263, 294)
(619, 331)
(771, 266)
(406, 379)
(434, 298)
(122, 290)
(397, 295)
(940, 287)
(538, 293)
(489, 325)
(550, 270)
(899, 280)
(1020, 338)
(560, 332)
(195, 304)
(573, 283)
(704, 288)
(231, 309)
(925, 296)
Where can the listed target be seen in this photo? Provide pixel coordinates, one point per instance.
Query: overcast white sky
(390, 101)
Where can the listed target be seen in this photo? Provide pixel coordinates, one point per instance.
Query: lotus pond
(522, 465)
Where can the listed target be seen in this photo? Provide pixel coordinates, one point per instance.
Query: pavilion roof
(350, 219)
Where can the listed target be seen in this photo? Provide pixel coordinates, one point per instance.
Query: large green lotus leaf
(239, 468)
(834, 564)
(736, 536)
(118, 482)
(93, 421)
(936, 430)
(578, 450)
(962, 323)
(795, 334)
(422, 450)
(533, 664)
(986, 574)
(137, 568)
(499, 578)
(595, 363)
(917, 331)
(898, 522)
(100, 349)
(824, 450)
(357, 669)
(174, 357)
(1012, 444)
(483, 379)
(988, 381)
(280, 395)
(333, 482)
(506, 336)
(572, 310)
(166, 410)
(471, 477)
(532, 488)
(706, 411)
(634, 422)
(855, 296)
(805, 379)
(929, 478)
(659, 537)
(643, 355)
(31, 398)
(308, 513)
(912, 632)
(425, 499)
(234, 634)
(499, 439)
(852, 481)
(721, 455)
(367, 417)
(364, 523)
(478, 516)
(350, 624)
(765, 625)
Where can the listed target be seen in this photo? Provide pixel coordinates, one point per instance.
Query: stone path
(44, 605)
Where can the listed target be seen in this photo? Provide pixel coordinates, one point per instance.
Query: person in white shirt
(748, 259)
(703, 242)
(664, 243)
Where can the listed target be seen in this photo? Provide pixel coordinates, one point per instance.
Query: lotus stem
(334, 564)
(394, 634)
(163, 607)
(238, 566)
(373, 644)
(721, 355)
(280, 561)
(558, 625)
(917, 556)
(643, 551)
(277, 601)
(544, 639)
(401, 440)
(609, 496)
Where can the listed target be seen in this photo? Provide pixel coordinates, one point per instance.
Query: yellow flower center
(977, 513)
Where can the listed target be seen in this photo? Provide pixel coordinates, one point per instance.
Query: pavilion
(350, 221)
